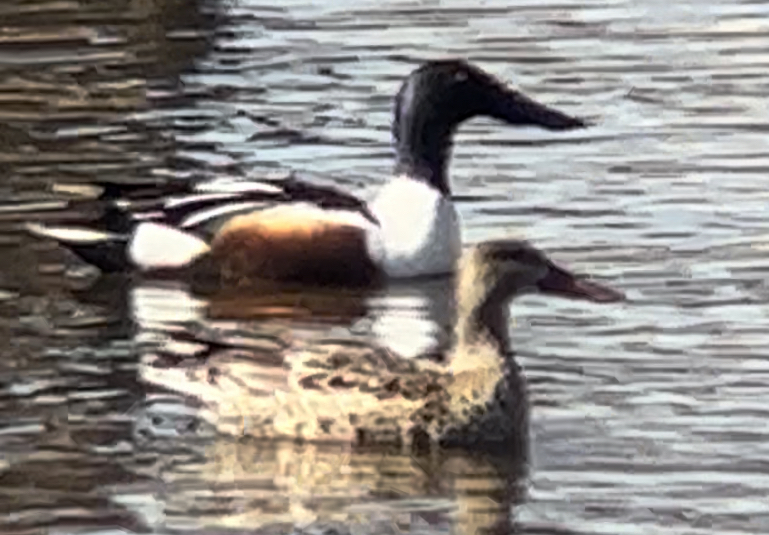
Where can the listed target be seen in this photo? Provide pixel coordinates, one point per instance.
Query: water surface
(647, 416)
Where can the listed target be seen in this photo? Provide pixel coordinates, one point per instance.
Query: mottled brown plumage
(355, 392)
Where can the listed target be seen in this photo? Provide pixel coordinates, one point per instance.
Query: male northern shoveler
(367, 395)
(321, 234)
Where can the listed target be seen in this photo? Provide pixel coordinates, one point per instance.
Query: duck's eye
(460, 76)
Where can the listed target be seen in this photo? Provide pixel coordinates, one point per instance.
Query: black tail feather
(108, 256)
(116, 190)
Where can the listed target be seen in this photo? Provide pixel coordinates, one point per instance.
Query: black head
(515, 267)
(439, 95)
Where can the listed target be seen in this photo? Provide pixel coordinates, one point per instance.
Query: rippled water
(647, 417)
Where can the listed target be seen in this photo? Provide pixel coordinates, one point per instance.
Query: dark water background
(648, 418)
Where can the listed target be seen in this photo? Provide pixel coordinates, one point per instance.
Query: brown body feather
(283, 245)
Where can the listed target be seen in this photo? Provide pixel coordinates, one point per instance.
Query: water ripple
(648, 418)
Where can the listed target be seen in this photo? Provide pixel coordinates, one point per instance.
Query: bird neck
(486, 324)
(423, 135)
(423, 155)
(482, 320)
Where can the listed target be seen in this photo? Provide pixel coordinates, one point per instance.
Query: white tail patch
(158, 246)
(70, 235)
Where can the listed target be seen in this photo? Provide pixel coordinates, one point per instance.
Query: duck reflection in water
(261, 487)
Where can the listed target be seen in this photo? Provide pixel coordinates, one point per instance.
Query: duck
(293, 230)
(365, 395)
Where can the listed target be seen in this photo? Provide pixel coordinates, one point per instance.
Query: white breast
(419, 233)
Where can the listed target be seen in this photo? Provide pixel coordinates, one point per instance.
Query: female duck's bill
(561, 282)
(320, 235)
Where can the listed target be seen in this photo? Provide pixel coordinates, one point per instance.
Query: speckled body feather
(357, 393)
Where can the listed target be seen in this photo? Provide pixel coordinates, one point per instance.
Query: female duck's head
(494, 272)
(438, 96)
(514, 267)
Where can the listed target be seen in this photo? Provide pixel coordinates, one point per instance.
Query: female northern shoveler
(320, 234)
(367, 395)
